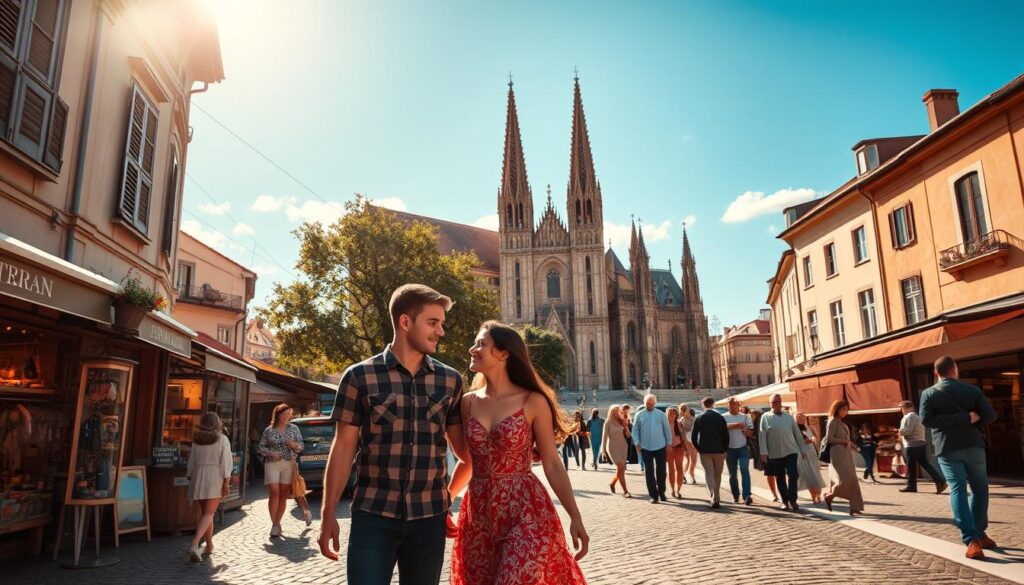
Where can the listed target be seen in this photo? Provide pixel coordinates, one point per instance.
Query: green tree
(336, 312)
(547, 352)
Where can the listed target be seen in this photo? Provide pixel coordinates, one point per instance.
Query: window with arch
(631, 335)
(632, 374)
(508, 216)
(970, 207)
(593, 359)
(590, 211)
(677, 338)
(522, 218)
(579, 212)
(590, 287)
(554, 284)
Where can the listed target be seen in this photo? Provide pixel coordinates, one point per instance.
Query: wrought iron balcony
(994, 246)
(209, 296)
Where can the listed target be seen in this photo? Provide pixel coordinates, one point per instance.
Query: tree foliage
(547, 352)
(336, 312)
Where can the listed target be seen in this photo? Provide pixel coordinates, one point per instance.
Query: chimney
(942, 106)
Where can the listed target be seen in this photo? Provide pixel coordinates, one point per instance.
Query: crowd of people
(396, 440)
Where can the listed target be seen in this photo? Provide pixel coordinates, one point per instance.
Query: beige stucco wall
(36, 208)
(836, 225)
(992, 148)
(788, 320)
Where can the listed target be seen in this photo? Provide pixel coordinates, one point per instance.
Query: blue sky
(693, 108)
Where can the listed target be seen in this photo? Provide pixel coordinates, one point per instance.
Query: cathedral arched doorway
(632, 380)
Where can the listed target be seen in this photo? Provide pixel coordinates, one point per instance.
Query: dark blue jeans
(376, 544)
(869, 461)
(570, 447)
(965, 467)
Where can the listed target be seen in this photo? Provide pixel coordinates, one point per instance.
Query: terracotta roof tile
(459, 237)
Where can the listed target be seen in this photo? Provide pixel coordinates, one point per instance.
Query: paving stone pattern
(633, 542)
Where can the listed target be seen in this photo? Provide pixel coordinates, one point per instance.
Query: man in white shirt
(741, 427)
(914, 446)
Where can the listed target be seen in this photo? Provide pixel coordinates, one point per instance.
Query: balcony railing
(993, 246)
(207, 295)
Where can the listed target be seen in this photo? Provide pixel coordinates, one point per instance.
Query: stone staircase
(687, 395)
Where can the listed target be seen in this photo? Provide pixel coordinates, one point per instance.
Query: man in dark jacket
(711, 438)
(956, 412)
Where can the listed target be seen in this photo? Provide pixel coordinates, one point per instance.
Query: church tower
(647, 307)
(699, 368)
(585, 213)
(515, 225)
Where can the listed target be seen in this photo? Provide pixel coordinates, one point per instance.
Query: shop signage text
(163, 336)
(18, 277)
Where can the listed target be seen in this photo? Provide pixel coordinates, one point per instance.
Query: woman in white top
(209, 473)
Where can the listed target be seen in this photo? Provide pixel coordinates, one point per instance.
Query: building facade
(621, 327)
(942, 215)
(743, 355)
(94, 112)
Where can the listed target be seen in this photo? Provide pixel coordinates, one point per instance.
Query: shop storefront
(210, 380)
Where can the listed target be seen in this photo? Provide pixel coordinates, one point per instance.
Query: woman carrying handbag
(299, 492)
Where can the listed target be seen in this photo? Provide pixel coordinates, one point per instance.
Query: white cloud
(315, 210)
(270, 204)
(215, 209)
(755, 203)
(689, 220)
(211, 238)
(394, 203)
(265, 270)
(620, 235)
(488, 222)
(243, 229)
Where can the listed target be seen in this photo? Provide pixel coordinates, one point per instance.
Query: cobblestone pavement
(632, 542)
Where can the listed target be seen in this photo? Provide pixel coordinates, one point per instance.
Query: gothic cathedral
(621, 327)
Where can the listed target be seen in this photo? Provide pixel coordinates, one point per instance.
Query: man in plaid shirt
(396, 408)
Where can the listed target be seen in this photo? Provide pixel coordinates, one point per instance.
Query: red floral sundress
(509, 532)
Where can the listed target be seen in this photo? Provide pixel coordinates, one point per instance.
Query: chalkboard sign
(131, 512)
(164, 456)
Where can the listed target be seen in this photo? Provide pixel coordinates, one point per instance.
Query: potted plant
(134, 301)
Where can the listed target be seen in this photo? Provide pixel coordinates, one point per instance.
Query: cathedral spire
(689, 282)
(515, 205)
(583, 197)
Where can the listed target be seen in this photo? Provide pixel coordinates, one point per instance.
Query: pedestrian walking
(741, 428)
(508, 529)
(280, 445)
(759, 464)
(688, 416)
(582, 439)
(632, 452)
(595, 426)
(780, 442)
(711, 438)
(915, 445)
(209, 474)
(674, 453)
(868, 443)
(652, 435)
(808, 465)
(396, 408)
(615, 446)
(570, 447)
(594, 394)
(842, 473)
(957, 413)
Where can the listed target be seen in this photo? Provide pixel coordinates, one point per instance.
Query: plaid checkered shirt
(401, 466)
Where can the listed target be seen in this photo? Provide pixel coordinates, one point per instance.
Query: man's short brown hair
(708, 401)
(409, 299)
(944, 366)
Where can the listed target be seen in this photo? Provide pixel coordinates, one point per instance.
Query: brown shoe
(987, 542)
(941, 487)
(974, 550)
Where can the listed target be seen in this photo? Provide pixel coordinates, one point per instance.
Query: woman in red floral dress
(508, 530)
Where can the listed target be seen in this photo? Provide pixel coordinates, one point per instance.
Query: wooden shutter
(171, 205)
(42, 48)
(911, 231)
(8, 87)
(10, 19)
(54, 155)
(137, 181)
(33, 116)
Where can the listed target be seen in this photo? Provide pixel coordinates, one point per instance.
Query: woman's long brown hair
(522, 373)
(277, 412)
